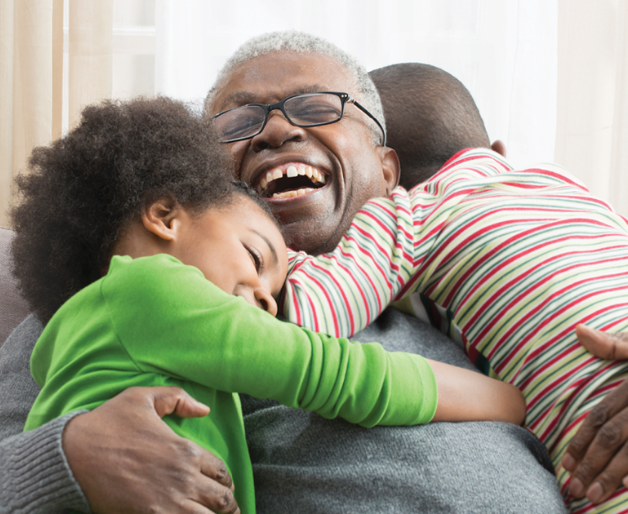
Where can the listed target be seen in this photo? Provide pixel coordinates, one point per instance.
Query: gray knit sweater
(304, 463)
(34, 474)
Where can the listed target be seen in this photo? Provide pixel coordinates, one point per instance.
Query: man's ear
(162, 218)
(391, 168)
(499, 147)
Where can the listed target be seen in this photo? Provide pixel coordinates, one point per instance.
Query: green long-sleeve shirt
(154, 321)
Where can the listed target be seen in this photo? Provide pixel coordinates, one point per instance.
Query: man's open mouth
(290, 180)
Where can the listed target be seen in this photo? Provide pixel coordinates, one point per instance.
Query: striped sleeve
(342, 292)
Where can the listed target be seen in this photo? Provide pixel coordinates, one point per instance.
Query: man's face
(315, 211)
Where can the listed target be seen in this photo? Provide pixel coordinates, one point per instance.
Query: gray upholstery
(13, 308)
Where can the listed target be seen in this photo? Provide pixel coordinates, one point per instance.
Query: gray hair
(302, 42)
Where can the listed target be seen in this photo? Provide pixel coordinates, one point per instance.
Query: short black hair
(82, 191)
(430, 116)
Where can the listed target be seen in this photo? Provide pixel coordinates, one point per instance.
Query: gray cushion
(13, 308)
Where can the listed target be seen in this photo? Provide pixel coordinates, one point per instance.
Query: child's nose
(265, 301)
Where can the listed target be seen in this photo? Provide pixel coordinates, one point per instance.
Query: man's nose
(265, 301)
(277, 132)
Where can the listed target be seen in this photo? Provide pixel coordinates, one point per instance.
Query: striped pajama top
(505, 262)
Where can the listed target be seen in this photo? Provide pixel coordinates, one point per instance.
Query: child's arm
(167, 319)
(227, 344)
(342, 292)
(390, 250)
(174, 322)
(465, 395)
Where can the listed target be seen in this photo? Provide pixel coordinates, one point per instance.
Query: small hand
(127, 460)
(597, 456)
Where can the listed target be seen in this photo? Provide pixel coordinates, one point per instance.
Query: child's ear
(391, 168)
(162, 218)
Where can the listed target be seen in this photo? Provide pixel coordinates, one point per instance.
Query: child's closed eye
(256, 257)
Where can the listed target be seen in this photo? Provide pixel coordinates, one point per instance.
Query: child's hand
(611, 346)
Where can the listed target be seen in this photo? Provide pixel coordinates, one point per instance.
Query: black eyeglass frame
(345, 98)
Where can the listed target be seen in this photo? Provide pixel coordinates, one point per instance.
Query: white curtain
(31, 75)
(592, 128)
(504, 51)
(549, 76)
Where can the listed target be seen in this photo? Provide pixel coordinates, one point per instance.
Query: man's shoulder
(19, 345)
(17, 387)
(401, 332)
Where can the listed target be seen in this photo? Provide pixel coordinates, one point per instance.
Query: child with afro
(151, 267)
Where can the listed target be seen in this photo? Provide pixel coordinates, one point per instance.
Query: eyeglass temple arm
(363, 109)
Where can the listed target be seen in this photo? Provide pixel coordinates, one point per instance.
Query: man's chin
(312, 236)
(308, 222)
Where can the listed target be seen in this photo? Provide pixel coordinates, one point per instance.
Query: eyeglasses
(304, 110)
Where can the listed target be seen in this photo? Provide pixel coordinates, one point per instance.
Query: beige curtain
(31, 75)
(592, 123)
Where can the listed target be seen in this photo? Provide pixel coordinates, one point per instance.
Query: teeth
(285, 194)
(291, 194)
(291, 172)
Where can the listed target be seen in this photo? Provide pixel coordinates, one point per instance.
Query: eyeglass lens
(304, 110)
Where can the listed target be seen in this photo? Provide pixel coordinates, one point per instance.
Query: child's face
(239, 249)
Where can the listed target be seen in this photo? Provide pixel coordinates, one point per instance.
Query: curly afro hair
(86, 188)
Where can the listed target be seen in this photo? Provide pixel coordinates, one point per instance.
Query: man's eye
(318, 113)
(240, 127)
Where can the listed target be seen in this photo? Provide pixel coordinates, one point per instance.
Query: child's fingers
(612, 346)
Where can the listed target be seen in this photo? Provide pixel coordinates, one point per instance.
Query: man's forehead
(247, 97)
(271, 77)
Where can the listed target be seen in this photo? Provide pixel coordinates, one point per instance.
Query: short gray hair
(302, 42)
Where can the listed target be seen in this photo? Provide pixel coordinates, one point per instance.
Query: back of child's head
(82, 191)
(430, 116)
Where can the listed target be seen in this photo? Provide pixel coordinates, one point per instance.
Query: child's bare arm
(465, 395)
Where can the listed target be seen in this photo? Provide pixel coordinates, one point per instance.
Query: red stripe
(511, 283)
(328, 298)
(548, 299)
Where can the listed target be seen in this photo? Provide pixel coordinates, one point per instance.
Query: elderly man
(125, 460)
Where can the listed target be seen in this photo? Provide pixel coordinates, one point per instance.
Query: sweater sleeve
(182, 325)
(34, 473)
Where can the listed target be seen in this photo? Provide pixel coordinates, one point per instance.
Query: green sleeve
(171, 320)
